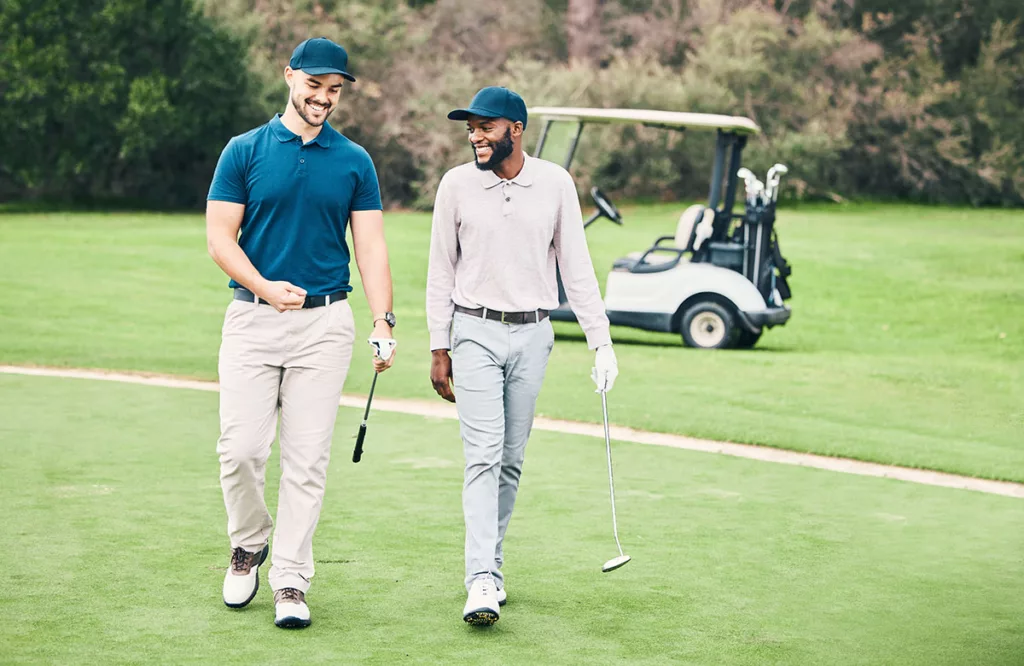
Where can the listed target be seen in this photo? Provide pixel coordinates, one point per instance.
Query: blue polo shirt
(298, 199)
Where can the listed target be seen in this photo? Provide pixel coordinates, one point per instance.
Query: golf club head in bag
(759, 193)
(383, 348)
(774, 176)
(748, 182)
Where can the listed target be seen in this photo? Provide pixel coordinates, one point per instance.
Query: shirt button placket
(506, 207)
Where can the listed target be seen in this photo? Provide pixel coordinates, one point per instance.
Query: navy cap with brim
(464, 114)
(319, 56)
(320, 71)
(494, 102)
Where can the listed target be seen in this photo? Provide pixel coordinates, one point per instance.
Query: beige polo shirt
(494, 243)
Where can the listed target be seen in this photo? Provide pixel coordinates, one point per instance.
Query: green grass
(905, 347)
(115, 549)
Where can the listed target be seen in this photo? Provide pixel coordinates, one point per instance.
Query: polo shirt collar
(284, 135)
(525, 178)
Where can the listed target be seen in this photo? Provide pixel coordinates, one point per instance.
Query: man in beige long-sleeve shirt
(501, 223)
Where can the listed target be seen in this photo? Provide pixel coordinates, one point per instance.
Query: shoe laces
(240, 560)
(289, 594)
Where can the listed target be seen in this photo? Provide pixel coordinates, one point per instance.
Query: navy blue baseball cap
(494, 102)
(320, 56)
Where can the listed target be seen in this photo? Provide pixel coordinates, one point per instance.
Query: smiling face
(493, 140)
(313, 97)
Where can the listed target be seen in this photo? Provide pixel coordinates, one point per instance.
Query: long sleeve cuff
(441, 339)
(598, 336)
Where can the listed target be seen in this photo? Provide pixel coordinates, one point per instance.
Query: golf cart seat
(694, 227)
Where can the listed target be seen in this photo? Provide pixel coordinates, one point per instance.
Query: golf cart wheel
(745, 339)
(708, 325)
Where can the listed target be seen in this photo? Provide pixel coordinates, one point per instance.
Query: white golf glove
(605, 370)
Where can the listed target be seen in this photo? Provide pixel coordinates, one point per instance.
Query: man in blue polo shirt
(281, 199)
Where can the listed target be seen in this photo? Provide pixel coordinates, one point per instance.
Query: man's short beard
(499, 152)
(299, 105)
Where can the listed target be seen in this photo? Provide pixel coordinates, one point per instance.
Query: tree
(122, 99)
(583, 29)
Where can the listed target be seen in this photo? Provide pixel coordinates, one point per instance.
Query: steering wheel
(605, 206)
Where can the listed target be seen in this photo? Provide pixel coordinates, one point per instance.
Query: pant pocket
(238, 315)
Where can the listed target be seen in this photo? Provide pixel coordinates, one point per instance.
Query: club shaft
(373, 385)
(611, 480)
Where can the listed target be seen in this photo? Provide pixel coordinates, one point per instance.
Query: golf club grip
(358, 452)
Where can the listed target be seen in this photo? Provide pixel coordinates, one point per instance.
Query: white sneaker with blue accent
(482, 604)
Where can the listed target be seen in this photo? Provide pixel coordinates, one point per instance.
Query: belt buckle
(503, 319)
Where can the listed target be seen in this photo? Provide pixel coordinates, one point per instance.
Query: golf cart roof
(671, 119)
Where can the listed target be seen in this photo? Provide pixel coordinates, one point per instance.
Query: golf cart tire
(745, 339)
(709, 325)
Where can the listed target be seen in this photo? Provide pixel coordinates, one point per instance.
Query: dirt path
(439, 409)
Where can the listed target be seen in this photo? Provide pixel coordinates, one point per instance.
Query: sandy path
(441, 409)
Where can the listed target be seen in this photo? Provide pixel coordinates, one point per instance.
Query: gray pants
(498, 370)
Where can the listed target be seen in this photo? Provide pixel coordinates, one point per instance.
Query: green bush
(116, 100)
(134, 100)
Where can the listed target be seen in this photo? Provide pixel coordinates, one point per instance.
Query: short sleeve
(229, 177)
(367, 195)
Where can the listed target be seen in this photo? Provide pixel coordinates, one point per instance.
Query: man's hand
(382, 330)
(441, 374)
(606, 369)
(282, 295)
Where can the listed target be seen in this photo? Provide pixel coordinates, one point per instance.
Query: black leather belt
(242, 294)
(528, 317)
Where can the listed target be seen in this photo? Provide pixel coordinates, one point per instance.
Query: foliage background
(131, 101)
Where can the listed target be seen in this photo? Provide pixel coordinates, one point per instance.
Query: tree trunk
(583, 28)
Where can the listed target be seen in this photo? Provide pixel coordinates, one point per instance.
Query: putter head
(383, 348)
(615, 563)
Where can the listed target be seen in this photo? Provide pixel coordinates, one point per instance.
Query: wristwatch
(388, 317)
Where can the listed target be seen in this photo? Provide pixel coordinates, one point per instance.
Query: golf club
(774, 176)
(382, 348)
(780, 171)
(758, 192)
(615, 562)
(748, 180)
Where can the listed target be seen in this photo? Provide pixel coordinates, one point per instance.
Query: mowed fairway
(114, 551)
(906, 345)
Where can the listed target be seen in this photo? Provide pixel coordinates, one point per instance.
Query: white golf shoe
(502, 597)
(482, 604)
(290, 609)
(243, 577)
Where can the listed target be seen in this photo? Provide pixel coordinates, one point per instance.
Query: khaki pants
(293, 364)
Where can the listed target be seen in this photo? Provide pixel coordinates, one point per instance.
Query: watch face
(389, 317)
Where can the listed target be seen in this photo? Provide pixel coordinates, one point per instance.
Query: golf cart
(720, 280)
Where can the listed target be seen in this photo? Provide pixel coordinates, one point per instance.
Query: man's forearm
(227, 254)
(376, 275)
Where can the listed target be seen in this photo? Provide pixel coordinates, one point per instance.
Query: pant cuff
(282, 580)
